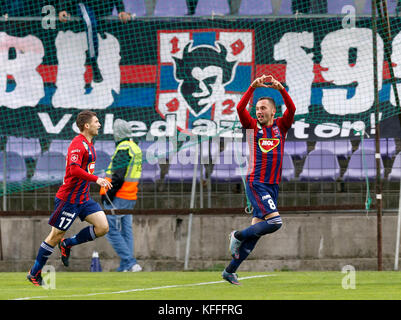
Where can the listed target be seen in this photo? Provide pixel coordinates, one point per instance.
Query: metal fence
(338, 191)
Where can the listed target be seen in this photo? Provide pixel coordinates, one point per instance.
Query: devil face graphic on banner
(202, 76)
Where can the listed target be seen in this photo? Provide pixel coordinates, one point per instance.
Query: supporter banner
(187, 75)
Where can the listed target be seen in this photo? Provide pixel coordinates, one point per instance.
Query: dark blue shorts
(65, 213)
(263, 198)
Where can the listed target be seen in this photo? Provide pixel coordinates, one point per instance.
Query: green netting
(181, 78)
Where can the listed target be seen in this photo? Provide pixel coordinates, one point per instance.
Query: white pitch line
(143, 289)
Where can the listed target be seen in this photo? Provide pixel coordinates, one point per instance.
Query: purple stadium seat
(144, 145)
(107, 146)
(102, 162)
(182, 173)
(158, 151)
(391, 6)
(358, 169)
(25, 147)
(212, 7)
(255, 7)
(296, 149)
(15, 167)
(169, 8)
(238, 150)
(341, 148)
(288, 172)
(285, 7)
(187, 152)
(320, 165)
(135, 7)
(335, 7)
(391, 147)
(50, 167)
(150, 172)
(395, 174)
(387, 146)
(59, 146)
(228, 171)
(212, 148)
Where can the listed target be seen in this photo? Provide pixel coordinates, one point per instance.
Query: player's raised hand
(104, 183)
(275, 84)
(260, 82)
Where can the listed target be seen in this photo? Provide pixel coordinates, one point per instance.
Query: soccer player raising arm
(266, 143)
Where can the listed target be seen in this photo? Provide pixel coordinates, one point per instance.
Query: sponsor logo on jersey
(268, 144)
(74, 158)
(91, 167)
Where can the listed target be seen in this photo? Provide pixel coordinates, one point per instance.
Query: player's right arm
(104, 183)
(75, 156)
(80, 173)
(244, 117)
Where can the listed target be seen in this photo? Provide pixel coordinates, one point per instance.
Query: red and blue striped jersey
(75, 187)
(266, 143)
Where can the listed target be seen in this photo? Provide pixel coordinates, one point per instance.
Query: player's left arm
(288, 117)
(75, 155)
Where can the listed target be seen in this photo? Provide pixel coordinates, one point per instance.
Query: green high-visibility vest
(134, 168)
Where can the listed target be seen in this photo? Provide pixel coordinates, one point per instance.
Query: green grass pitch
(206, 285)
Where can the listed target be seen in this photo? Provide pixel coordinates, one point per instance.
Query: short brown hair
(84, 117)
(269, 99)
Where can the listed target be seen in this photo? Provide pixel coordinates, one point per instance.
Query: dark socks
(250, 236)
(260, 229)
(246, 248)
(85, 235)
(45, 250)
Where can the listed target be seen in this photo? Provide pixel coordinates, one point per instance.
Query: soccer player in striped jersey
(264, 175)
(72, 199)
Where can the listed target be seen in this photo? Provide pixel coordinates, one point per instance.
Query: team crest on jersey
(268, 144)
(203, 74)
(276, 131)
(74, 158)
(91, 167)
